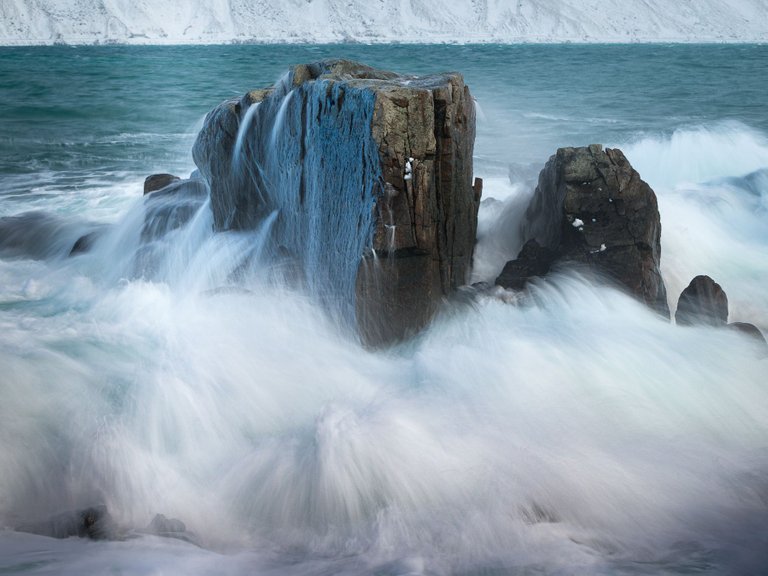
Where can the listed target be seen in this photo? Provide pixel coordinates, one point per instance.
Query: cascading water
(307, 155)
(570, 431)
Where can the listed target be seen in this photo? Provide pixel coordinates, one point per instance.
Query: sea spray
(538, 430)
(713, 199)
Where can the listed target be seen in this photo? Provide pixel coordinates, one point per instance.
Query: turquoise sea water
(576, 433)
(114, 109)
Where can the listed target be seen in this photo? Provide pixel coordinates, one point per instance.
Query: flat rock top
(362, 75)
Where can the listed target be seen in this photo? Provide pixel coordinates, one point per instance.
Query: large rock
(702, 303)
(591, 208)
(363, 178)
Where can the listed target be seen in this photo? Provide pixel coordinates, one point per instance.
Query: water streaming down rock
(370, 174)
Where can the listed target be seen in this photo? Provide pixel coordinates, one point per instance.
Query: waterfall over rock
(369, 176)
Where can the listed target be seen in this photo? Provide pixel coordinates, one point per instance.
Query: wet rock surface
(592, 208)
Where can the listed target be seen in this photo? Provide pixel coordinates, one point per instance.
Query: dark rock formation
(702, 303)
(158, 182)
(365, 180)
(591, 207)
(533, 260)
(705, 303)
(94, 523)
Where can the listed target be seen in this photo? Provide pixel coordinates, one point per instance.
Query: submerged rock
(84, 243)
(172, 207)
(169, 203)
(364, 178)
(94, 523)
(166, 527)
(749, 330)
(702, 303)
(43, 235)
(591, 208)
(158, 182)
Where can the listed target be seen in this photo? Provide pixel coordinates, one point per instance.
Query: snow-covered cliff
(504, 21)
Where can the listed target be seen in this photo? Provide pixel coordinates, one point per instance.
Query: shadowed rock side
(533, 261)
(365, 180)
(591, 208)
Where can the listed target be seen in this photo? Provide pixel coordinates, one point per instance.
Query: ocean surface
(573, 432)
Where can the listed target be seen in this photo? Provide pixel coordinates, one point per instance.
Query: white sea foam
(506, 434)
(713, 196)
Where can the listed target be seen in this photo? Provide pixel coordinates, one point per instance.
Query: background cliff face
(216, 21)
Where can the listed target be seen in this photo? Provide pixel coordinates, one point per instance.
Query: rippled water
(572, 432)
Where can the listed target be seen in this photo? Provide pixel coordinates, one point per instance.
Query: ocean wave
(698, 154)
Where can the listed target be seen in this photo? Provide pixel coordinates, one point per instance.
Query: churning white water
(567, 431)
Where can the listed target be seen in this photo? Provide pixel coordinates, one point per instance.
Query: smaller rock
(533, 260)
(702, 303)
(161, 524)
(94, 523)
(535, 513)
(85, 242)
(158, 182)
(172, 207)
(749, 330)
(166, 527)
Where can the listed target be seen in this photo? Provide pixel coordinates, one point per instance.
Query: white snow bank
(25, 22)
